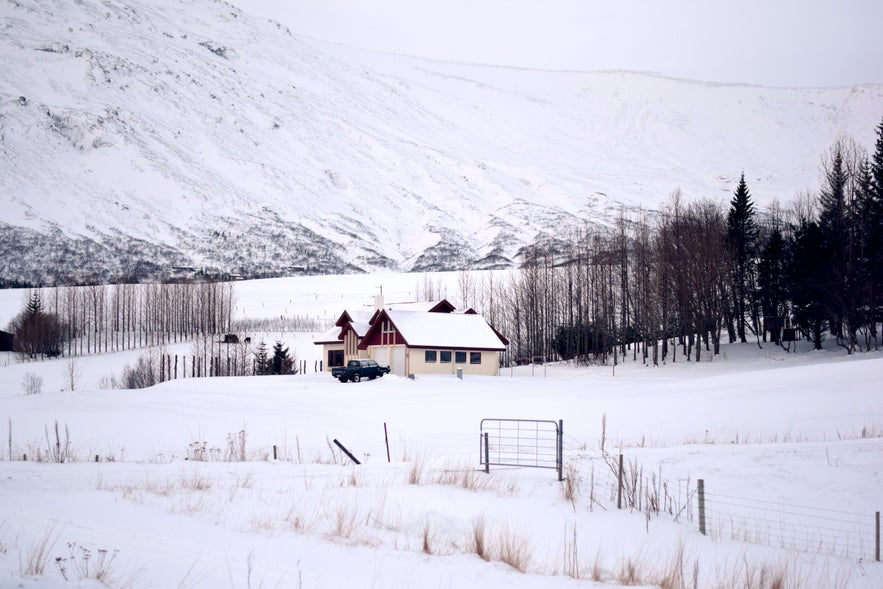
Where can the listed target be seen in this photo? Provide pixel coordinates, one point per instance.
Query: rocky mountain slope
(136, 137)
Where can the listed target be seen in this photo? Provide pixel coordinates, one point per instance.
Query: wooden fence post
(345, 451)
(619, 485)
(877, 546)
(487, 457)
(559, 450)
(701, 493)
(386, 439)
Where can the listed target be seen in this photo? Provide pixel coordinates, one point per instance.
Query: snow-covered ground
(788, 446)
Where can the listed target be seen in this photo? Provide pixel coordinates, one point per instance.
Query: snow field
(788, 446)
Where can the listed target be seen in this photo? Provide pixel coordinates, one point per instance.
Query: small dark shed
(6, 341)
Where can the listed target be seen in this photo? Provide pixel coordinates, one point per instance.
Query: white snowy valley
(235, 481)
(152, 150)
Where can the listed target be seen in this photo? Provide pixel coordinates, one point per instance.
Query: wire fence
(787, 525)
(791, 526)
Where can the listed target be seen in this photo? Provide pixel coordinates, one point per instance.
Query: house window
(460, 357)
(430, 356)
(387, 326)
(444, 356)
(335, 358)
(475, 357)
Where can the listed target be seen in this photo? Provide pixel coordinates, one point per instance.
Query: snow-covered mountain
(138, 136)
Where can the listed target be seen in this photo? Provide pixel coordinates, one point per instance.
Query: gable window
(475, 357)
(387, 326)
(444, 356)
(460, 357)
(430, 356)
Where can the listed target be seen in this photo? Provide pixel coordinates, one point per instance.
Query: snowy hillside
(136, 136)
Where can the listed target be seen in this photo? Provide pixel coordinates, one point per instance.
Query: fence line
(792, 526)
(803, 528)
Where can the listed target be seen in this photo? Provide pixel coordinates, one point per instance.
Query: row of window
(444, 357)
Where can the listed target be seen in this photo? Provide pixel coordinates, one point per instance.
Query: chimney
(378, 302)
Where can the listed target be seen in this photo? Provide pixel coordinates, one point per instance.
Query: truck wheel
(357, 377)
(342, 379)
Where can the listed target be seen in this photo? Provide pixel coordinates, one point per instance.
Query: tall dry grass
(37, 557)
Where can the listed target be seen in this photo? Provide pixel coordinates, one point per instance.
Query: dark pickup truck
(356, 370)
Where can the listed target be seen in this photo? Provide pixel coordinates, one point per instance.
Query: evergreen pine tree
(261, 361)
(773, 284)
(34, 306)
(877, 169)
(866, 228)
(742, 233)
(836, 260)
(832, 217)
(874, 239)
(281, 363)
(807, 291)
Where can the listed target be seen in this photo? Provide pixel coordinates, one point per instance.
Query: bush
(145, 373)
(36, 331)
(31, 384)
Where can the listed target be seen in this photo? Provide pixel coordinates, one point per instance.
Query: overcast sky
(769, 42)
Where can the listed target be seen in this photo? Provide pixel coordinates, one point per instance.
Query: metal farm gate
(522, 442)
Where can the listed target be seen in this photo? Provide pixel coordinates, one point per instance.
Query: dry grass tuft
(514, 550)
(628, 573)
(762, 576)
(38, 556)
(352, 480)
(415, 472)
(343, 521)
(244, 481)
(427, 538)
(464, 477)
(298, 521)
(675, 577)
(571, 555)
(479, 538)
(195, 481)
(596, 567)
(264, 523)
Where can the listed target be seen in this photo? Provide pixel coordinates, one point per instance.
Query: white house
(416, 338)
